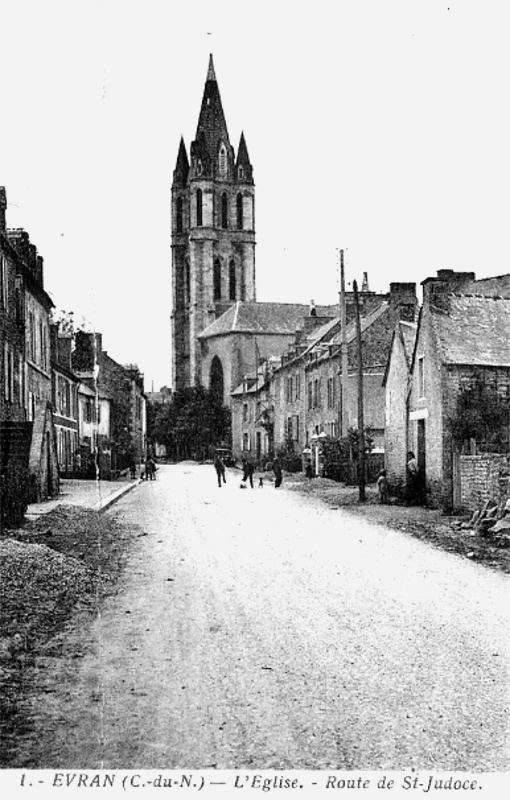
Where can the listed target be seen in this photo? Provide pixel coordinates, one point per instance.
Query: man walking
(219, 466)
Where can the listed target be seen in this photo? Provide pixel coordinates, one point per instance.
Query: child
(382, 486)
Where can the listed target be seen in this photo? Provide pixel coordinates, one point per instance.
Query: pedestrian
(308, 469)
(148, 469)
(153, 469)
(248, 470)
(382, 486)
(413, 477)
(278, 473)
(219, 466)
(132, 470)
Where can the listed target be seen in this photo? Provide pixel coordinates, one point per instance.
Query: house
(64, 400)
(123, 387)
(27, 433)
(462, 340)
(94, 456)
(300, 393)
(396, 384)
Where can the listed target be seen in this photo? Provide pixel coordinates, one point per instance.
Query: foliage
(340, 456)
(289, 459)
(483, 414)
(192, 425)
(15, 492)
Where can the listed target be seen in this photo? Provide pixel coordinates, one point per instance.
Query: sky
(382, 128)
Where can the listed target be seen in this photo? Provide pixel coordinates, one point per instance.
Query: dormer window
(223, 160)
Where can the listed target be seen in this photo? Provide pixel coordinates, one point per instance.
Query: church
(220, 333)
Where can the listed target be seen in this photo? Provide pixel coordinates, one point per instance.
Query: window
(310, 395)
(239, 208)
(297, 383)
(232, 281)
(217, 280)
(4, 277)
(223, 160)
(179, 215)
(246, 441)
(297, 427)
(421, 378)
(224, 210)
(187, 281)
(315, 393)
(240, 173)
(331, 393)
(199, 207)
(245, 412)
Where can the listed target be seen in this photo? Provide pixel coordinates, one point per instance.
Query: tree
(192, 424)
(482, 413)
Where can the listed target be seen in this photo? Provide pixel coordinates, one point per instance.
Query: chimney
(313, 310)
(436, 291)
(403, 301)
(64, 348)
(364, 284)
(3, 207)
(39, 262)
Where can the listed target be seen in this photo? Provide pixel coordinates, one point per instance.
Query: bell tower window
(217, 280)
(179, 215)
(241, 174)
(223, 160)
(232, 281)
(224, 210)
(240, 220)
(199, 207)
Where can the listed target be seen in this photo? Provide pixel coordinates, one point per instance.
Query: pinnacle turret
(182, 166)
(212, 127)
(245, 174)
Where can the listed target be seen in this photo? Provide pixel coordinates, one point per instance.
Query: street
(258, 629)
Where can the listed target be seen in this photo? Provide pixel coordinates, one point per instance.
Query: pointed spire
(212, 127)
(182, 166)
(245, 175)
(211, 76)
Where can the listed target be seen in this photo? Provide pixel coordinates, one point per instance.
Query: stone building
(123, 387)
(300, 394)
(213, 233)
(27, 435)
(463, 336)
(64, 401)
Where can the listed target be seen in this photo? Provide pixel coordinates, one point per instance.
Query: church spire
(212, 127)
(211, 75)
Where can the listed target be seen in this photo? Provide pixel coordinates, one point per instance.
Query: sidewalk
(94, 495)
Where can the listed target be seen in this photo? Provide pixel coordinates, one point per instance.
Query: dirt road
(258, 629)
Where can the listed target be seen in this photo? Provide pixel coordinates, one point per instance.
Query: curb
(111, 499)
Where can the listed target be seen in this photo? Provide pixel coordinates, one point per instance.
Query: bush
(15, 494)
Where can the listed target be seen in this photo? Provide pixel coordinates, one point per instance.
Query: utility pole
(343, 349)
(361, 421)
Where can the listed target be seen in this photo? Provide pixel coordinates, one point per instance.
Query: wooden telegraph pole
(361, 422)
(343, 349)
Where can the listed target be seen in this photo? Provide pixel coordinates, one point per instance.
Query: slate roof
(475, 331)
(366, 322)
(273, 318)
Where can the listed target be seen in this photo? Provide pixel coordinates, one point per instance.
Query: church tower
(213, 232)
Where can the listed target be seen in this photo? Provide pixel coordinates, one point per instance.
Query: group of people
(248, 472)
(414, 484)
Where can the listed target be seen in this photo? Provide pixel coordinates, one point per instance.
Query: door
(422, 461)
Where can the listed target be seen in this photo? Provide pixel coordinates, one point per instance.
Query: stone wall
(484, 477)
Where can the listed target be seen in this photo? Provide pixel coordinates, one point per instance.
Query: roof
(406, 332)
(366, 322)
(475, 331)
(270, 318)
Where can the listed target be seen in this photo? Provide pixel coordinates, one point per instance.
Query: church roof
(271, 318)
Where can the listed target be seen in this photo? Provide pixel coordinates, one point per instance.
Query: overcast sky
(382, 128)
